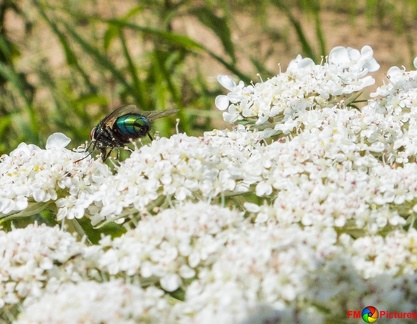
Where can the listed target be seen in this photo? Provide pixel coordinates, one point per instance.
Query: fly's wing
(155, 114)
(110, 119)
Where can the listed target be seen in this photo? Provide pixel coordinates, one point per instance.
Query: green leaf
(219, 26)
(302, 38)
(109, 35)
(113, 31)
(5, 49)
(229, 66)
(102, 60)
(160, 89)
(137, 84)
(70, 56)
(5, 122)
(320, 35)
(179, 41)
(175, 39)
(14, 78)
(260, 67)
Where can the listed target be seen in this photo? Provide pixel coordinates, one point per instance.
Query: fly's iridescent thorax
(131, 126)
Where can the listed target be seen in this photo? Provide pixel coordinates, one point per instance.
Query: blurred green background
(66, 64)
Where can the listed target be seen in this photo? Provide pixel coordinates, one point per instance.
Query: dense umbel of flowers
(92, 302)
(306, 212)
(40, 258)
(186, 238)
(303, 86)
(31, 178)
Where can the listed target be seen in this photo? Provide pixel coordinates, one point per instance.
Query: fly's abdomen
(132, 126)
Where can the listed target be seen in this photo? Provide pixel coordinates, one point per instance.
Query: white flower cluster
(332, 174)
(304, 86)
(335, 163)
(397, 102)
(170, 248)
(231, 270)
(274, 266)
(181, 167)
(392, 255)
(31, 178)
(288, 269)
(39, 258)
(92, 302)
(315, 224)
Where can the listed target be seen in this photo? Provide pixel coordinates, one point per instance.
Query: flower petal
(57, 141)
(226, 81)
(221, 102)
